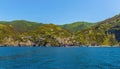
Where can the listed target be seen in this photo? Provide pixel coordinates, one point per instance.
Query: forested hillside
(77, 26)
(26, 33)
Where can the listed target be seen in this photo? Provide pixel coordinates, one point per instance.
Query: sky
(58, 11)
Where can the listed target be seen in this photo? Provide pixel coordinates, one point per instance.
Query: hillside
(49, 34)
(104, 33)
(22, 25)
(26, 33)
(7, 31)
(77, 26)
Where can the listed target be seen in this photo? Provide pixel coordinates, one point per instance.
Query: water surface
(59, 58)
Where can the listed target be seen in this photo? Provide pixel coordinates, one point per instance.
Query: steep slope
(104, 33)
(77, 26)
(6, 32)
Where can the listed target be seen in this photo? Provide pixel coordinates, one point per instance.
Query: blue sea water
(59, 58)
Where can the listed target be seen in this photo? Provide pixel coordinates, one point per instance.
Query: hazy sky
(58, 11)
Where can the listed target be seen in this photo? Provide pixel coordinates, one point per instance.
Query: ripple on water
(61, 58)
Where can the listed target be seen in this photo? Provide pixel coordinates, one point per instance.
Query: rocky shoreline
(5, 45)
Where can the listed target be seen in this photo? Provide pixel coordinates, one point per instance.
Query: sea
(59, 57)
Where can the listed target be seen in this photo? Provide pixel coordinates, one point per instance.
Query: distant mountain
(22, 25)
(77, 26)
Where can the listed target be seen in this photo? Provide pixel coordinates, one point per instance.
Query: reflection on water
(59, 58)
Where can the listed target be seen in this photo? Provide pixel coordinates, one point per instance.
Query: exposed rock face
(12, 42)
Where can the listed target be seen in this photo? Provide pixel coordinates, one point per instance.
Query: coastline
(85, 46)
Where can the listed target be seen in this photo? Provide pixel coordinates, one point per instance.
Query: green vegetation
(22, 25)
(26, 33)
(77, 26)
(104, 33)
(6, 32)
